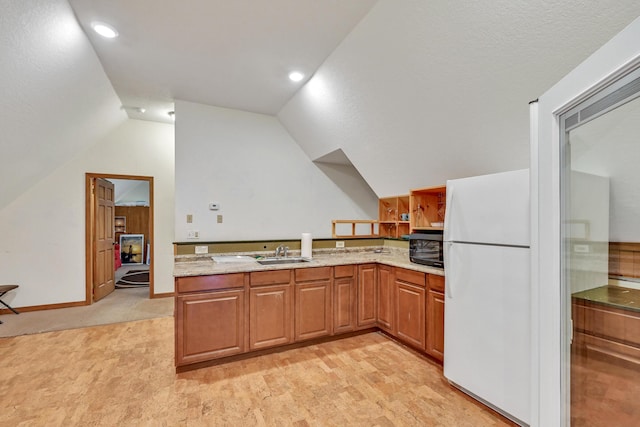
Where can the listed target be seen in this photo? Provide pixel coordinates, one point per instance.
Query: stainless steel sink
(280, 260)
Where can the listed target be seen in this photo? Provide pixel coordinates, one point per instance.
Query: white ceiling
(228, 53)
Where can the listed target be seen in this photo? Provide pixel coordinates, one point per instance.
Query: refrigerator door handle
(448, 278)
(447, 214)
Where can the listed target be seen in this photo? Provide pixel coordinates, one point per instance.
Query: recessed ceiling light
(296, 76)
(105, 30)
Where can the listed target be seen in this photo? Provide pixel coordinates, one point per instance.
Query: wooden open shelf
(390, 210)
(423, 206)
(354, 223)
(428, 206)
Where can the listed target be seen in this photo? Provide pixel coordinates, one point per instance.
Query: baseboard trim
(44, 307)
(163, 295)
(66, 305)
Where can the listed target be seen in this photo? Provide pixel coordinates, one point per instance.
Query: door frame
(89, 225)
(551, 329)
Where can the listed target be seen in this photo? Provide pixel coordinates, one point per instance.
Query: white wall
(589, 260)
(56, 99)
(609, 146)
(43, 230)
(421, 92)
(130, 192)
(267, 187)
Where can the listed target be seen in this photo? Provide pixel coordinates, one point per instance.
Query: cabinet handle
(450, 272)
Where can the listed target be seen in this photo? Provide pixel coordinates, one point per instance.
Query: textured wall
(43, 230)
(56, 98)
(421, 92)
(267, 187)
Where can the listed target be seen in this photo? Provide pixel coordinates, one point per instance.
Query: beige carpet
(122, 305)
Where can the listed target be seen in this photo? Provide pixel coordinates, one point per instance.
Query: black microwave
(426, 248)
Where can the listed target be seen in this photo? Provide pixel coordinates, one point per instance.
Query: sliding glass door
(585, 186)
(600, 229)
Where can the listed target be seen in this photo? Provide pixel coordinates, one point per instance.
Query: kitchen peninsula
(228, 309)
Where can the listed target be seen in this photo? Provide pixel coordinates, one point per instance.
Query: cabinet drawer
(344, 271)
(316, 273)
(261, 278)
(209, 283)
(409, 276)
(436, 282)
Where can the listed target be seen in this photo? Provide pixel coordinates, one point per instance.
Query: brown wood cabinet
(202, 308)
(344, 299)
(229, 314)
(367, 295)
(385, 307)
(410, 307)
(390, 216)
(427, 207)
(270, 309)
(312, 303)
(435, 317)
(606, 331)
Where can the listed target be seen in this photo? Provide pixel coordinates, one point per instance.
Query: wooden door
(410, 312)
(312, 309)
(269, 316)
(435, 324)
(103, 239)
(209, 325)
(385, 298)
(367, 295)
(344, 298)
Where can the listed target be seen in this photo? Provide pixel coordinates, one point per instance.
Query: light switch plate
(192, 234)
(219, 219)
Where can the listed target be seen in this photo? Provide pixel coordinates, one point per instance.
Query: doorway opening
(601, 253)
(106, 230)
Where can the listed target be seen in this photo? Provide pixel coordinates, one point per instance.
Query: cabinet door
(199, 317)
(269, 316)
(344, 305)
(313, 310)
(435, 324)
(367, 295)
(385, 298)
(410, 314)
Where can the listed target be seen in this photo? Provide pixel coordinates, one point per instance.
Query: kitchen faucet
(282, 249)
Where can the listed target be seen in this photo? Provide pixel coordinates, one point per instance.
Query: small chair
(3, 290)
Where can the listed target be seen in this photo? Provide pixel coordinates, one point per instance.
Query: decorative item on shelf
(120, 224)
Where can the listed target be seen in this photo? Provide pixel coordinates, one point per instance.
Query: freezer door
(487, 325)
(489, 209)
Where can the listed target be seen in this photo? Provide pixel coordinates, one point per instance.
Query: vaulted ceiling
(227, 53)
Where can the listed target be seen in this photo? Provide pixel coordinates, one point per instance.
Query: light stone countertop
(203, 265)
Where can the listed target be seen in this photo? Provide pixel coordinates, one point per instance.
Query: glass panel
(601, 235)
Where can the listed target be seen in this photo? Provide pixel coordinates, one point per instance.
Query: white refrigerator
(487, 291)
